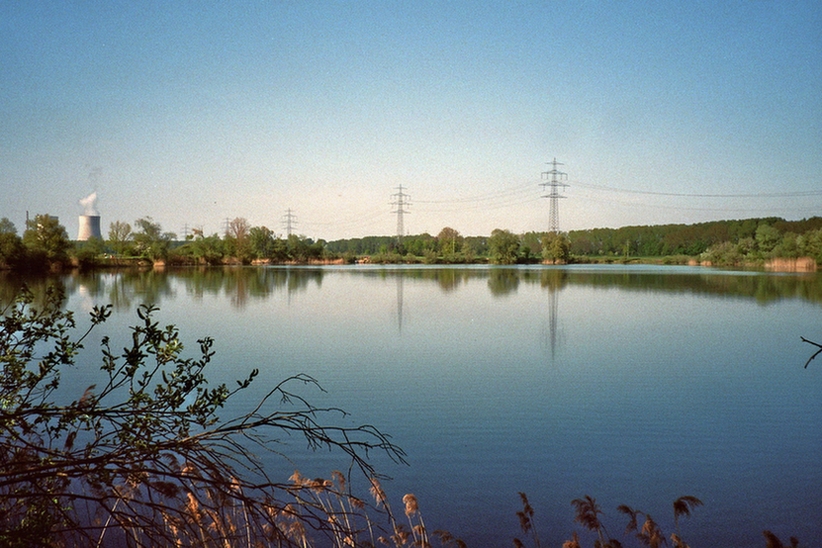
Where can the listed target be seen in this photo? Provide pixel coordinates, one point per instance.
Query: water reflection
(399, 303)
(466, 388)
(127, 288)
(553, 281)
(503, 281)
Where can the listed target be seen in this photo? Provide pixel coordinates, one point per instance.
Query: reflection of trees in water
(124, 289)
(12, 283)
(243, 284)
(130, 287)
(763, 287)
(503, 281)
(448, 280)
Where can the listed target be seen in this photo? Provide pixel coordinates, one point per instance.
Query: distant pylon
(553, 184)
(400, 201)
(289, 220)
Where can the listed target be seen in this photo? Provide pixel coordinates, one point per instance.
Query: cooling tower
(89, 228)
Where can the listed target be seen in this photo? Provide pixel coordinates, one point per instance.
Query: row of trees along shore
(749, 242)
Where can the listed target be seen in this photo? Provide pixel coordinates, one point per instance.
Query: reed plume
(573, 543)
(683, 506)
(526, 516)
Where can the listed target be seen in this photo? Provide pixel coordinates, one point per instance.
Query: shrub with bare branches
(145, 457)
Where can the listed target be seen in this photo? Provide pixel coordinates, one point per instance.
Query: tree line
(45, 244)
(730, 242)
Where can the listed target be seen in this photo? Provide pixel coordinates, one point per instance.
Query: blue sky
(194, 112)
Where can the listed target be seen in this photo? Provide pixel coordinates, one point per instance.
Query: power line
(527, 187)
(797, 194)
(609, 201)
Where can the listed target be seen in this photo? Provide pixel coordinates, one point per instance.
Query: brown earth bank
(800, 264)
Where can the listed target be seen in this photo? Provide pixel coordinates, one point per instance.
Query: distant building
(89, 228)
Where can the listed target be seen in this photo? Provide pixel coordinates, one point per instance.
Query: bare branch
(815, 354)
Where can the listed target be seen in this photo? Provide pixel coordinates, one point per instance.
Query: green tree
(555, 248)
(280, 251)
(297, 248)
(810, 245)
(532, 243)
(723, 254)
(12, 252)
(119, 237)
(468, 252)
(150, 241)
(237, 241)
(46, 240)
(261, 241)
(503, 247)
(449, 241)
(146, 457)
(204, 249)
(767, 237)
(89, 251)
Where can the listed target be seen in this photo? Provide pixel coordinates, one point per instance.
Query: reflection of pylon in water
(399, 301)
(552, 185)
(553, 308)
(553, 281)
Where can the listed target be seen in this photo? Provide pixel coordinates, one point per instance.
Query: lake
(633, 384)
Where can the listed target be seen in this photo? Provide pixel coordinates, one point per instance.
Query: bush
(144, 457)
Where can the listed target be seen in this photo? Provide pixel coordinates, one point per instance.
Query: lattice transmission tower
(400, 200)
(553, 184)
(289, 221)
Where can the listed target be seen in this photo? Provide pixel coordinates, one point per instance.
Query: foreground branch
(147, 459)
(815, 354)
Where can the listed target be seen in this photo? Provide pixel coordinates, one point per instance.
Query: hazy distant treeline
(721, 242)
(680, 239)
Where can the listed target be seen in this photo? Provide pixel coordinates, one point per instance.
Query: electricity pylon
(289, 220)
(553, 184)
(400, 201)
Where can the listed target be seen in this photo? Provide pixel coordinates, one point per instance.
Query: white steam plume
(89, 204)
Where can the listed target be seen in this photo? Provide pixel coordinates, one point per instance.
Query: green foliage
(503, 247)
(89, 251)
(119, 237)
(150, 241)
(449, 242)
(146, 453)
(756, 238)
(203, 249)
(766, 238)
(46, 241)
(262, 242)
(810, 244)
(237, 241)
(556, 248)
(12, 251)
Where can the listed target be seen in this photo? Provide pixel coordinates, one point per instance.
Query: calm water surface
(634, 385)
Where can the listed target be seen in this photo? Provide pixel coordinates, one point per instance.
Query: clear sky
(195, 112)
